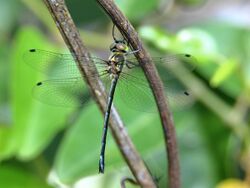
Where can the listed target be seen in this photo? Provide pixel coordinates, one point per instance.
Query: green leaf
(191, 40)
(130, 8)
(34, 123)
(156, 36)
(195, 41)
(78, 155)
(14, 176)
(193, 149)
(224, 71)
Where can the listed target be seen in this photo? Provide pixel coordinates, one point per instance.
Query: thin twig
(156, 85)
(127, 179)
(68, 30)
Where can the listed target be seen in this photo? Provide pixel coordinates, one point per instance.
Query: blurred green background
(49, 146)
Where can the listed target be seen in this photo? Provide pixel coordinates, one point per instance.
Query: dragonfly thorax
(115, 63)
(117, 58)
(119, 48)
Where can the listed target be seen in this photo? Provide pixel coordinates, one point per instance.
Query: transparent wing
(172, 62)
(136, 93)
(70, 92)
(65, 86)
(68, 89)
(57, 65)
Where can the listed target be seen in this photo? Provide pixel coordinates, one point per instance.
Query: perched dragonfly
(66, 87)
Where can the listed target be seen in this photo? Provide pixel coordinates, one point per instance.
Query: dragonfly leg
(132, 52)
(129, 63)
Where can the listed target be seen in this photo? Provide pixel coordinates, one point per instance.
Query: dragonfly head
(119, 46)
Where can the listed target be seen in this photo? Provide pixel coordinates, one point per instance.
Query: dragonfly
(121, 73)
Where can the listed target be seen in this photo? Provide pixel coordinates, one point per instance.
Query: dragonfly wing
(65, 86)
(136, 92)
(167, 65)
(70, 92)
(57, 65)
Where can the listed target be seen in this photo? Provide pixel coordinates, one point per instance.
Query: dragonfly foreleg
(131, 52)
(129, 63)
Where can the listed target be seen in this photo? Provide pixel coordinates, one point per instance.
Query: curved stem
(71, 36)
(127, 179)
(156, 85)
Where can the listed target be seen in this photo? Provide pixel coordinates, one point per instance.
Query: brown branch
(68, 30)
(156, 85)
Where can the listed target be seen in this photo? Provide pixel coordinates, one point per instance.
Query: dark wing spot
(187, 55)
(39, 83)
(186, 93)
(32, 50)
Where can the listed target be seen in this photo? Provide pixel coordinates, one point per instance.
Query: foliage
(50, 146)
